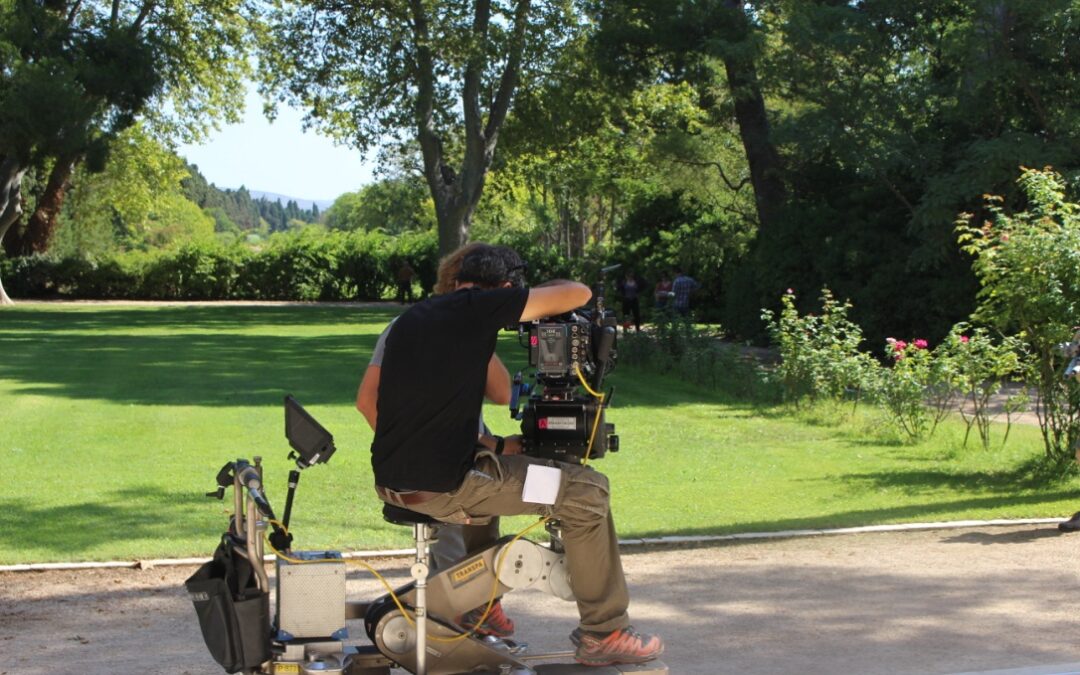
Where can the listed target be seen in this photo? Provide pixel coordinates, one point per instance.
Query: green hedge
(300, 266)
(305, 265)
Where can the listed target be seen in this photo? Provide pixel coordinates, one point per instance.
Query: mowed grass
(114, 421)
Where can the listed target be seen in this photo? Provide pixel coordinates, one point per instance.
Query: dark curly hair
(492, 266)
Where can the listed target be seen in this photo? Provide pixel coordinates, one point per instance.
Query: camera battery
(311, 596)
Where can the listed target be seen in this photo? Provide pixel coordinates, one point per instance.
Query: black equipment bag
(234, 614)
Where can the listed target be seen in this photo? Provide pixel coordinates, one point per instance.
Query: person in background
(662, 293)
(405, 276)
(630, 288)
(683, 287)
(453, 542)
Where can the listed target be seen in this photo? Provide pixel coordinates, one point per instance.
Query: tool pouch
(234, 614)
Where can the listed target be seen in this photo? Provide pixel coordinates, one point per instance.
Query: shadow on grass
(144, 513)
(128, 355)
(139, 356)
(141, 517)
(208, 369)
(1035, 473)
(91, 318)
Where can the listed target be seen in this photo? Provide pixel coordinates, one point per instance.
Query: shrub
(195, 271)
(819, 353)
(677, 347)
(981, 366)
(900, 391)
(1028, 264)
(363, 268)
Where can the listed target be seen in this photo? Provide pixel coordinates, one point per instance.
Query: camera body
(560, 418)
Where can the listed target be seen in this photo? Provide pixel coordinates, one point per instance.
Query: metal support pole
(419, 575)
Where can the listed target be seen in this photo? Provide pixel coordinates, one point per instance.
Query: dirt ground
(943, 601)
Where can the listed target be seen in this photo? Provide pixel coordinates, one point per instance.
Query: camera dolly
(412, 628)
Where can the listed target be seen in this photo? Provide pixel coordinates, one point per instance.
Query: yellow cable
(596, 420)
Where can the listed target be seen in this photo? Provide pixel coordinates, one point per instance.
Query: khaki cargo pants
(493, 487)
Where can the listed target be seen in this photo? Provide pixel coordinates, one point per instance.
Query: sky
(279, 157)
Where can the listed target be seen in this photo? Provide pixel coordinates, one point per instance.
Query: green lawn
(115, 420)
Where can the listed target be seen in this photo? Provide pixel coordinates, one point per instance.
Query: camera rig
(563, 416)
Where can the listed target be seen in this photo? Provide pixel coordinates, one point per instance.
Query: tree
(885, 118)
(74, 75)
(393, 205)
(656, 38)
(115, 208)
(440, 73)
(1028, 264)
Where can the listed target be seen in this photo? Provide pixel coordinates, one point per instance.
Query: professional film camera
(564, 412)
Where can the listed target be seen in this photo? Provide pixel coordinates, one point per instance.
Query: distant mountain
(305, 204)
(239, 211)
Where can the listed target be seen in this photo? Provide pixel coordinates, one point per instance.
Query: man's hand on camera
(512, 445)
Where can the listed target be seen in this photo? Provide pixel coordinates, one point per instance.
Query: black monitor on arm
(310, 441)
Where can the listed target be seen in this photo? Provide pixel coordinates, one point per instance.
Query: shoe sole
(614, 660)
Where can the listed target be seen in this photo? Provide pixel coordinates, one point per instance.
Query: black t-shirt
(432, 385)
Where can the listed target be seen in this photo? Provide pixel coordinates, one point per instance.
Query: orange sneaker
(620, 646)
(496, 623)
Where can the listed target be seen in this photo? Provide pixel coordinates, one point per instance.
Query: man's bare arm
(497, 389)
(554, 298)
(367, 396)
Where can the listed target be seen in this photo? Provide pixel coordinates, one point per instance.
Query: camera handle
(603, 354)
(518, 389)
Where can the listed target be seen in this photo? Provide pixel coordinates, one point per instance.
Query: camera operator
(424, 456)
(453, 542)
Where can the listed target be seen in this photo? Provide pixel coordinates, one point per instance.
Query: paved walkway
(983, 599)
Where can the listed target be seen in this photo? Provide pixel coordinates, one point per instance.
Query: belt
(410, 498)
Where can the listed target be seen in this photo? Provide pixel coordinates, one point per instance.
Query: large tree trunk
(456, 193)
(38, 233)
(753, 121)
(11, 174)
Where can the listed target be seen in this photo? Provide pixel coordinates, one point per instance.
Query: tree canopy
(440, 75)
(75, 75)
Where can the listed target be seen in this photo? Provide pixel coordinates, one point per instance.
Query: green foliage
(981, 366)
(1028, 264)
(236, 211)
(888, 118)
(302, 265)
(354, 67)
(677, 347)
(124, 204)
(902, 390)
(393, 205)
(819, 353)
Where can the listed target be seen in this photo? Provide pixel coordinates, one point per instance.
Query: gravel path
(943, 601)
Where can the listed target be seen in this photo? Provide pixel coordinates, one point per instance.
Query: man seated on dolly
(424, 454)
(454, 542)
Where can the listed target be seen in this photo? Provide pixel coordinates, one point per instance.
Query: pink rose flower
(921, 344)
(964, 339)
